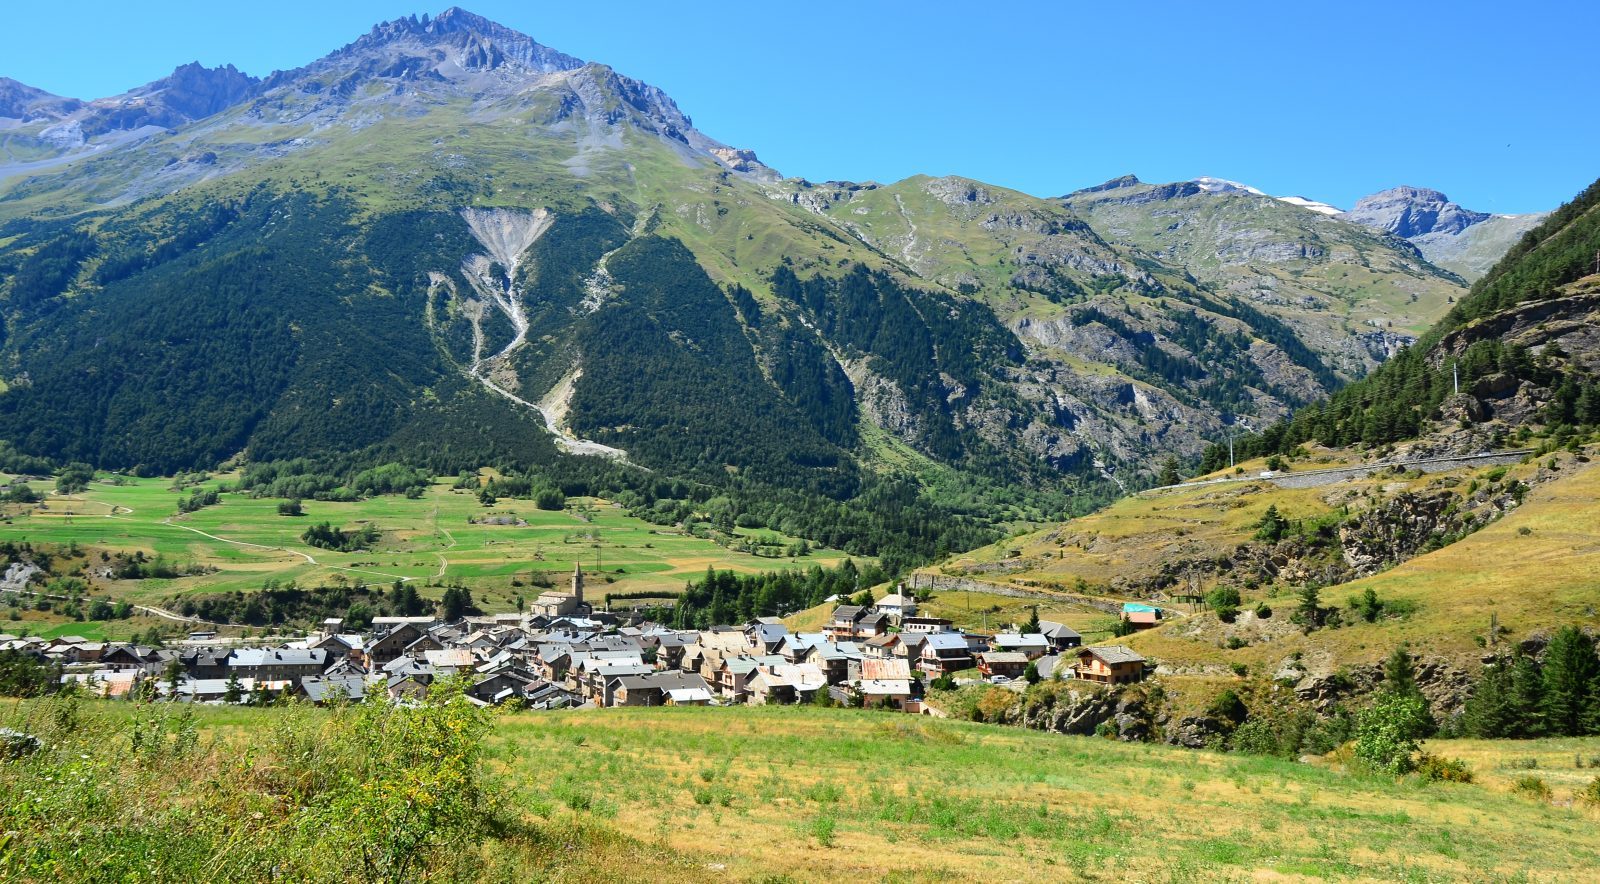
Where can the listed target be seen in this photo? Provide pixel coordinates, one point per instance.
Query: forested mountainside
(448, 245)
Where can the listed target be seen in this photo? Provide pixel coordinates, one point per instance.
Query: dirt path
(1315, 478)
(443, 562)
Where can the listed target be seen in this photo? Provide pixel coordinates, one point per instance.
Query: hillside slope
(1536, 568)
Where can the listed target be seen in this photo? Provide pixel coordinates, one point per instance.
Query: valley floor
(444, 536)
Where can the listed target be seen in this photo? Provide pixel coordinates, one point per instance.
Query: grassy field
(429, 540)
(1566, 764)
(804, 794)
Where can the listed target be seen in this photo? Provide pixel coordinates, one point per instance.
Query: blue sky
(1491, 102)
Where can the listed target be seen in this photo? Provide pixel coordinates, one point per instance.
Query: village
(563, 653)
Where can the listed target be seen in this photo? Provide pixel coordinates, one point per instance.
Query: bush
(1438, 769)
(1225, 601)
(1229, 707)
(371, 792)
(822, 829)
(1263, 611)
(1590, 794)
(1530, 786)
(1387, 731)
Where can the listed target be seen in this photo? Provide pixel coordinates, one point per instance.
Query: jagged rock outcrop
(1446, 686)
(1195, 731)
(1397, 529)
(1071, 710)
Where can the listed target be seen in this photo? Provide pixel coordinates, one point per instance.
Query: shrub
(822, 829)
(1590, 794)
(1263, 611)
(1225, 601)
(1530, 786)
(1229, 707)
(994, 704)
(371, 792)
(1438, 769)
(1367, 605)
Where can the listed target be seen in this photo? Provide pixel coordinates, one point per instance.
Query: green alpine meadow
(443, 460)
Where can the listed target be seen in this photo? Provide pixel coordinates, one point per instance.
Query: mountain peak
(19, 101)
(1223, 185)
(1407, 211)
(1114, 184)
(479, 43)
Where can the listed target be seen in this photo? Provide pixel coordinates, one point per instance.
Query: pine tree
(1032, 626)
(1400, 673)
(1490, 712)
(1527, 698)
(1309, 612)
(1569, 680)
(234, 691)
(1169, 472)
(1272, 526)
(1400, 679)
(174, 676)
(454, 604)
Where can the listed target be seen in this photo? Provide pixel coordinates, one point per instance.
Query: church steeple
(577, 582)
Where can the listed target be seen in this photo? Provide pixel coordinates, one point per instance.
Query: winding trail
(443, 562)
